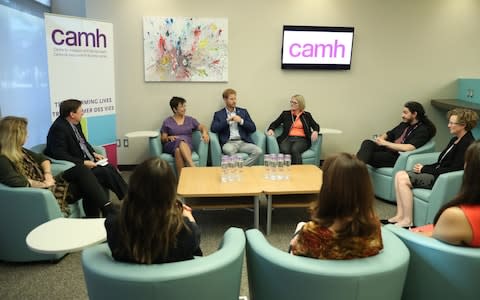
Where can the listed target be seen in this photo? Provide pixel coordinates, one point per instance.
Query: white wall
(403, 50)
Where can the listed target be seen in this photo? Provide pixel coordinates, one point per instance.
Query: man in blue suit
(234, 126)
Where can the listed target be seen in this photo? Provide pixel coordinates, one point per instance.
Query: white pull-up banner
(81, 66)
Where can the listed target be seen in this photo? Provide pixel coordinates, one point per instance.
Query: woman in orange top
(344, 224)
(458, 222)
(299, 129)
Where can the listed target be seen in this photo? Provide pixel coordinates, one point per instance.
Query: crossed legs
(404, 195)
(183, 156)
(252, 150)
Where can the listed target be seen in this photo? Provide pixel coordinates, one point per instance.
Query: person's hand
(314, 136)
(381, 141)
(417, 168)
(171, 138)
(98, 156)
(270, 132)
(49, 180)
(236, 118)
(205, 137)
(187, 212)
(89, 164)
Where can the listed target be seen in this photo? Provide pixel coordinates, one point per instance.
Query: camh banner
(81, 66)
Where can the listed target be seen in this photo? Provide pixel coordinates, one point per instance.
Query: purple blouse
(182, 132)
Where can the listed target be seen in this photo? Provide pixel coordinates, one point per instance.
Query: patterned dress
(320, 242)
(182, 132)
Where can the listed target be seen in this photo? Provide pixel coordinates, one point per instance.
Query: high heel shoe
(386, 222)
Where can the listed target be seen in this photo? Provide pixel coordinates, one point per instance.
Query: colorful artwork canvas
(185, 49)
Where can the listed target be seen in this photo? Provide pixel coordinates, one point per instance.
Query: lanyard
(409, 132)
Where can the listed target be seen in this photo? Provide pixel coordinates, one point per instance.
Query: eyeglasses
(293, 102)
(454, 123)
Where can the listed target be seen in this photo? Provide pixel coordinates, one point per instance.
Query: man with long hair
(414, 131)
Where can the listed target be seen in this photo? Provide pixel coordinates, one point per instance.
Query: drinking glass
(287, 160)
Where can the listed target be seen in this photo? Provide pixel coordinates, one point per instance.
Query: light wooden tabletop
(304, 179)
(206, 182)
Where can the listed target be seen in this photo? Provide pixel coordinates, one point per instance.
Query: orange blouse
(320, 242)
(297, 127)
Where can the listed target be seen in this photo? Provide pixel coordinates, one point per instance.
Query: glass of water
(287, 161)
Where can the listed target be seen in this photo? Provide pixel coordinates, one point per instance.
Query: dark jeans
(83, 184)
(376, 156)
(110, 178)
(294, 145)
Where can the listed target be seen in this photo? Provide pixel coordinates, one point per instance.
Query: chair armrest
(272, 144)
(316, 147)
(422, 158)
(215, 149)
(100, 150)
(259, 138)
(445, 188)
(201, 147)
(155, 146)
(401, 162)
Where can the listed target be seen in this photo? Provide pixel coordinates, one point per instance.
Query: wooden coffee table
(203, 184)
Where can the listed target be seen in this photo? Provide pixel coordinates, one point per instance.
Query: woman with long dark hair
(458, 221)
(153, 226)
(343, 222)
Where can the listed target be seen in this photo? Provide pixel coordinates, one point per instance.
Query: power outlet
(119, 143)
(125, 143)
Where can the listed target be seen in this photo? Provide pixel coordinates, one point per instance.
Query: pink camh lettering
(315, 50)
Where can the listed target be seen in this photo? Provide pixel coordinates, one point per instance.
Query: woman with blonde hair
(20, 167)
(153, 226)
(299, 129)
(343, 222)
(460, 123)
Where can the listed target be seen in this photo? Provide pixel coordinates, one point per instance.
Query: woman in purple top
(177, 134)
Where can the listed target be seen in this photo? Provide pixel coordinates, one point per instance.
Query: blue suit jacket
(221, 127)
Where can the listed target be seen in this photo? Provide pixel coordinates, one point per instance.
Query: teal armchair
(216, 153)
(275, 274)
(199, 153)
(426, 202)
(310, 156)
(21, 210)
(438, 270)
(383, 178)
(216, 276)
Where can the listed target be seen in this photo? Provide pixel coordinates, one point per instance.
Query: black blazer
(286, 120)
(63, 144)
(454, 160)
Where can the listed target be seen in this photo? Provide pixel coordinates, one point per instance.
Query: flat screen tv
(317, 47)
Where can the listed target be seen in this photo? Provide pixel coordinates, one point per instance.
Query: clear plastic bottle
(280, 170)
(273, 166)
(224, 166)
(266, 163)
(287, 161)
(232, 168)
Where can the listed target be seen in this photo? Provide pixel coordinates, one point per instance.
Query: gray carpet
(64, 280)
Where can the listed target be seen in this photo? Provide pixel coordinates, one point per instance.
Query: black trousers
(83, 184)
(294, 146)
(375, 155)
(110, 178)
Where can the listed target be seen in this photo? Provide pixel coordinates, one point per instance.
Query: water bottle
(287, 162)
(266, 163)
(232, 167)
(273, 167)
(280, 175)
(224, 166)
(239, 161)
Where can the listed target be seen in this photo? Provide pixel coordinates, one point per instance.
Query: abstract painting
(185, 49)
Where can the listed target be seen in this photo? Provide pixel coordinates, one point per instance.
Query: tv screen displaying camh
(317, 47)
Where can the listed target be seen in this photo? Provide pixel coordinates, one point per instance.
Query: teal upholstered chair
(216, 276)
(23, 209)
(275, 274)
(383, 178)
(310, 156)
(199, 153)
(426, 203)
(438, 270)
(216, 153)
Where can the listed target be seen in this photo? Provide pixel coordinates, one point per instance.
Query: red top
(472, 212)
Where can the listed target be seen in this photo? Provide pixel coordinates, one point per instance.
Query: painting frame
(187, 49)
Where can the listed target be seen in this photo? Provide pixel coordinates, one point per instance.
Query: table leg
(256, 211)
(269, 213)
